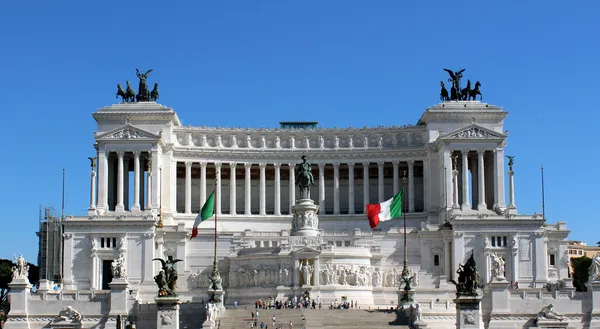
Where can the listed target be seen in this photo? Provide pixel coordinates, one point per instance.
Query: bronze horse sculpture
(473, 93)
(444, 93)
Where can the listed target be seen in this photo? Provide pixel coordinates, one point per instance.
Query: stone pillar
(466, 204)
(447, 258)
(499, 176)
(500, 298)
(218, 187)
(457, 252)
(411, 185)
(292, 186)
(19, 304)
(322, 187)
(336, 188)
(593, 290)
(468, 313)
(156, 178)
(120, 182)
(149, 189)
(296, 274)
(365, 186)
(481, 181)
(167, 308)
(351, 188)
(455, 204)
(136, 181)
(102, 180)
(317, 270)
(94, 270)
(148, 251)
(202, 183)
(92, 191)
(247, 189)
(395, 163)
(447, 177)
(277, 189)
(515, 263)
(511, 190)
(232, 189)
(262, 190)
(188, 187)
(118, 297)
(380, 190)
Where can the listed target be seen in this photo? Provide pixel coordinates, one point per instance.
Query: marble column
(395, 163)
(447, 163)
(426, 189)
(157, 178)
(322, 188)
(447, 259)
(336, 188)
(380, 190)
(296, 274)
(232, 188)
(466, 204)
(94, 271)
(92, 190)
(411, 185)
(120, 182)
(515, 263)
(202, 183)
(317, 270)
(136, 181)
(102, 180)
(455, 189)
(511, 189)
(499, 177)
(149, 186)
(218, 187)
(481, 180)
(277, 189)
(188, 187)
(292, 186)
(247, 189)
(351, 188)
(262, 190)
(365, 186)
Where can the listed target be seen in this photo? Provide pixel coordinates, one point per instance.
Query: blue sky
(254, 63)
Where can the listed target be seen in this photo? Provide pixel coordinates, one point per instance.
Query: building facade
(153, 174)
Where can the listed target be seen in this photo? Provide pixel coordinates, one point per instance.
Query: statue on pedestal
(594, 270)
(306, 271)
(21, 269)
(167, 277)
(68, 314)
(118, 267)
(468, 279)
(548, 313)
(305, 178)
(497, 266)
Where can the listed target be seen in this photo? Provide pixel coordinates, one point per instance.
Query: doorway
(107, 274)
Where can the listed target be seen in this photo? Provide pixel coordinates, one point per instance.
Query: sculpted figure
(234, 141)
(68, 314)
(277, 142)
(167, 277)
(417, 313)
(305, 178)
(22, 268)
(118, 267)
(337, 142)
(594, 270)
(548, 313)
(292, 142)
(351, 142)
(143, 92)
(497, 266)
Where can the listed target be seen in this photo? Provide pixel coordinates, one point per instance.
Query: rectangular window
(101, 242)
(504, 241)
(347, 243)
(330, 243)
(274, 243)
(493, 241)
(338, 243)
(436, 260)
(552, 260)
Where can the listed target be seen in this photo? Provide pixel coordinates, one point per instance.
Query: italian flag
(380, 212)
(206, 213)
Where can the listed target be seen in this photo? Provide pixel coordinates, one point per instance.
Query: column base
(481, 206)
(120, 208)
(511, 210)
(465, 207)
(136, 207)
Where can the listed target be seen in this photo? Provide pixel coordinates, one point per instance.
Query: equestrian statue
(144, 94)
(305, 178)
(456, 93)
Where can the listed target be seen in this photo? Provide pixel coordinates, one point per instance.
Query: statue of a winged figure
(92, 162)
(167, 277)
(143, 91)
(511, 161)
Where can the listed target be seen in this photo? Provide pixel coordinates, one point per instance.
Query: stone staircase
(313, 319)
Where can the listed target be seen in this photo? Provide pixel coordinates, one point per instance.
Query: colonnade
(408, 180)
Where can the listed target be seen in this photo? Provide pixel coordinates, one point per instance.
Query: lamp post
(406, 277)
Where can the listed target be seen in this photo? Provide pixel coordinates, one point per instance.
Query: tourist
(235, 304)
(262, 325)
(252, 315)
(273, 318)
(291, 325)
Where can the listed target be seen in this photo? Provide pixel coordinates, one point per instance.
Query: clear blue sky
(242, 62)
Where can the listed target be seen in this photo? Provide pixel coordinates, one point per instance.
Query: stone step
(313, 319)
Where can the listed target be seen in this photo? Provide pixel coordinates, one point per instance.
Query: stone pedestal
(305, 221)
(500, 296)
(216, 297)
(420, 325)
(551, 324)
(118, 297)
(19, 300)
(167, 312)
(468, 312)
(594, 296)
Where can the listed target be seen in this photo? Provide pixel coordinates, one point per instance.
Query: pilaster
(232, 189)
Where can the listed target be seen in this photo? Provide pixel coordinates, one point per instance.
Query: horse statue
(305, 179)
(466, 91)
(468, 279)
(129, 93)
(473, 93)
(444, 93)
(154, 93)
(121, 92)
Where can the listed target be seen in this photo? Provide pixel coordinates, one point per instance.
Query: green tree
(580, 266)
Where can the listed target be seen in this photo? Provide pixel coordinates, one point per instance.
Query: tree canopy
(580, 267)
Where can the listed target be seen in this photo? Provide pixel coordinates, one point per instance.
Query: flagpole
(543, 196)
(215, 207)
(405, 262)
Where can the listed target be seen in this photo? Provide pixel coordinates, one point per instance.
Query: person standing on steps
(273, 318)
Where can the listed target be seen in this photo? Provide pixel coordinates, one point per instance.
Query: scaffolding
(50, 247)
